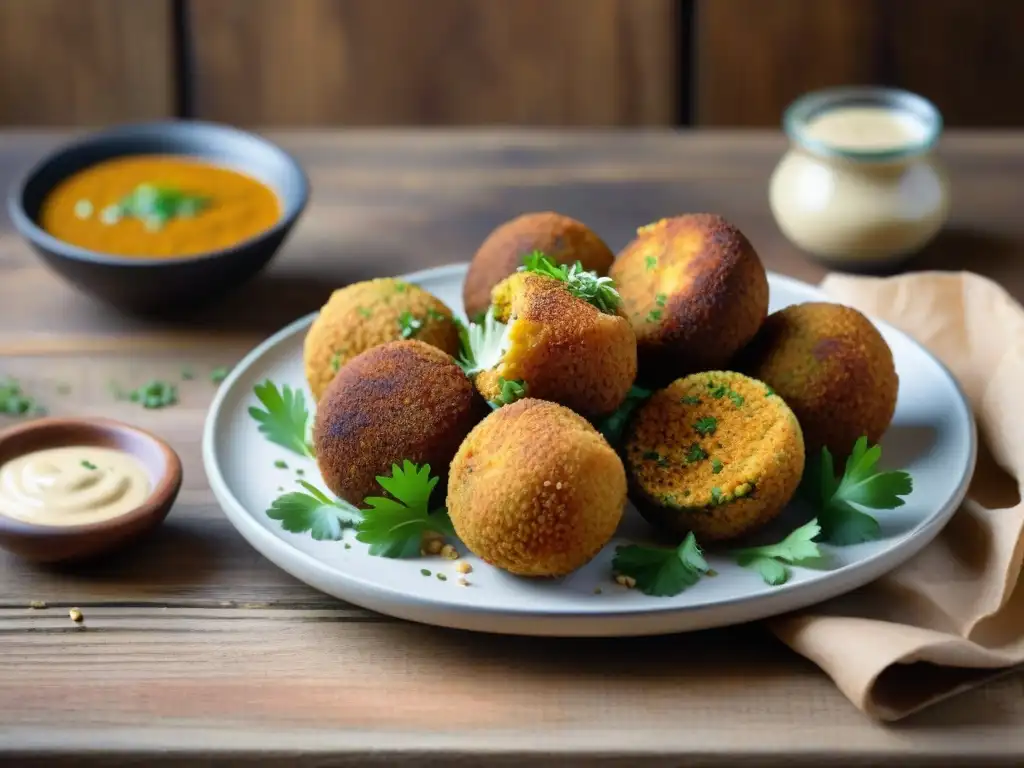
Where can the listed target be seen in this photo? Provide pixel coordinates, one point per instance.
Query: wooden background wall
(481, 62)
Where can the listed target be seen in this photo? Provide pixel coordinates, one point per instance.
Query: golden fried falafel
(560, 238)
(536, 490)
(365, 314)
(396, 401)
(695, 291)
(560, 347)
(833, 368)
(715, 453)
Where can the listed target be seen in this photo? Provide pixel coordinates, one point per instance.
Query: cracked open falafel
(716, 453)
(559, 347)
(695, 292)
(365, 314)
(396, 401)
(562, 239)
(536, 490)
(833, 368)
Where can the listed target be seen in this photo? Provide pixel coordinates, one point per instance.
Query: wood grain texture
(444, 62)
(754, 58)
(197, 651)
(85, 63)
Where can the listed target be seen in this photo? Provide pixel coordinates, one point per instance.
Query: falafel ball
(365, 314)
(560, 238)
(695, 291)
(536, 490)
(560, 347)
(396, 401)
(715, 453)
(833, 368)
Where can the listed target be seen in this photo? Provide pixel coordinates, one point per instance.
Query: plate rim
(561, 622)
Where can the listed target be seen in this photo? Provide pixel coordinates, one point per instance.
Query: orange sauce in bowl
(200, 207)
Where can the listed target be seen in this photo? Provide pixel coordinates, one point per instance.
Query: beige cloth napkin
(953, 616)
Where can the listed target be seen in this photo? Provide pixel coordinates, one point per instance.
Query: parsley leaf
(217, 375)
(285, 418)
(597, 291)
(483, 344)
(409, 324)
(14, 402)
(661, 571)
(394, 527)
(772, 560)
(510, 392)
(613, 425)
(324, 518)
(861, 485)
(155, 394)
(695, 453)
(706, 426)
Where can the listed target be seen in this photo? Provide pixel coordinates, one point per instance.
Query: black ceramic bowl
(161, 285)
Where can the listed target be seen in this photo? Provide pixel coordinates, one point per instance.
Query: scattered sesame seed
(464, 567)
(558, 486)
(547, 483)
(449, 552)
(347, 545)
(626, 581)
(76, 615)
(37, 604)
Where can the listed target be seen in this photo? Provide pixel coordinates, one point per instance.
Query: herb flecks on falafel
(536, 490)
(561, 348)
(712, 455)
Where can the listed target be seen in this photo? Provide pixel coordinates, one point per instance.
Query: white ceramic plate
(932, 435)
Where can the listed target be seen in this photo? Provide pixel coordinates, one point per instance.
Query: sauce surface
(871, 129)
(188, 207)
(72, 485)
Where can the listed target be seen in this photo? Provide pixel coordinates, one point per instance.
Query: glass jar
(860, 186)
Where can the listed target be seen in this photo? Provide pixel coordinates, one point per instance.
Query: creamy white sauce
(866, 129)
(72, 485)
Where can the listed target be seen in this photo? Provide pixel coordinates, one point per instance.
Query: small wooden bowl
(51, 544)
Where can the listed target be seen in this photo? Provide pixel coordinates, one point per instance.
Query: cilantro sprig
(597, 291)
(394, 527)
(614, 425)
(839, 501)
(772, 561)
(284, 418)
(661, 571)
(483, 344)
(324, 518)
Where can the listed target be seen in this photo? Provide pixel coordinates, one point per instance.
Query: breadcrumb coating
(536, 490)
(833, 368)
(695, 292)
(715, 453)
(396, 401)
(564, 349)
(365, 314)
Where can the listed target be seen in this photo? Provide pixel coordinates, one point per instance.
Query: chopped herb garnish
(155, 394)
(706, 426)
(716, 496)
(736, 397)
(650, 262)
(768, 391)
(401, 287)
(83, 209)
(716, 466)
(661, 571)
(597, 291)
(695, 453)
(14, 402)
(364, 312)
(433, 314)
(652, 456)
(483, 344)
(187, 374)
(613, 425)
(409, 324)
(88, 464)
(654, 315)
(510, 391)
(861, 485)
(281, 464)
(772, 561)
(217, 375)
(155, 206)
(394, 527)
(442, 577)
(660, 299)
(300, 472)
(690, 400)
(424, 571)
(336, 362)
(284, 418)
(717, 390)
(322, 517)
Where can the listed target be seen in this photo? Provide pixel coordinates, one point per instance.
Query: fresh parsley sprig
(597, 291)
(483, 344)
(394, 527)
(323, 517)
(772, 561)
(613, 425)
(284, 419)
(861, 485)
(661, 571)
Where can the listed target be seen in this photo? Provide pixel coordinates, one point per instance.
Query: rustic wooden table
(195, 650)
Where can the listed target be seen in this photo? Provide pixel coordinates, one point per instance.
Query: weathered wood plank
(446, 62)
(87, 63)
